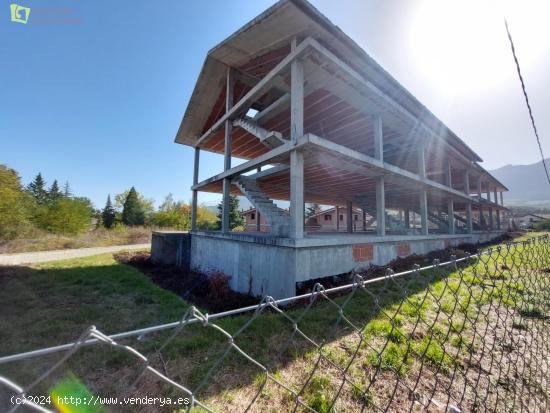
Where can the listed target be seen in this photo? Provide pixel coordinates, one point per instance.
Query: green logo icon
(19, 14)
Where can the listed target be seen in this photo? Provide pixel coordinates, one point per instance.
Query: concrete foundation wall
(254, 269)
(260, 267)
(171, 248)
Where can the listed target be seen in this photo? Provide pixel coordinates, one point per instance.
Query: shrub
(13, 205)
(65, 216)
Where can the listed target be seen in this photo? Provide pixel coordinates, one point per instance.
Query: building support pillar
(407, 213)
(296, 158)
(195, 192)
(226, 225)
(469, 224)
(337, 208)
(364, 219)
(380, 207)
(501, 198)
(349, 220)
(451, 214)
(424, 212)
(491, 219)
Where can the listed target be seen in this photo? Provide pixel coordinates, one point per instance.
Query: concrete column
(448, 174)
(498, 218)
(296, 97)
(488, 193)
(296, 194)
(195, 194)
(407, 218)
(378, 138)
(496, 196)
(479, 188)
(491, 219)
(258, 218)
(296, 158)
(451, 213)
(227, 152)
(424, 212)
(349, 216)
(467, 182)
(469, 224)
(422, 159)
(501, 198)
(337, 218)
(364, 219)
(380, 207)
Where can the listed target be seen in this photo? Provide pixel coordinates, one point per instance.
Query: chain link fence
(465, 335)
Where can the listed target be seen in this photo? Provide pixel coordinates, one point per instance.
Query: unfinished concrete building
(317, 120)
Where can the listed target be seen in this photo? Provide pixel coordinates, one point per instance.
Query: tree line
(24, 209)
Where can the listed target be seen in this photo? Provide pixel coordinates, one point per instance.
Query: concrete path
(44, 256)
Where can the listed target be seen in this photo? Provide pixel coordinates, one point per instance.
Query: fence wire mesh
(470, 334)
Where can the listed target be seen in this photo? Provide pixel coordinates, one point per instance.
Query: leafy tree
(54, 193)
(65, 216)
(132, 211)
(206, 218)
(236, 218)
(37, 188)
(312, 209)
(67, 190)
(13, 205)
(169, 204)
(108, 214)
(147, 205)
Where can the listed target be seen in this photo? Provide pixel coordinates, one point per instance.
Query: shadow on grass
(200, 357)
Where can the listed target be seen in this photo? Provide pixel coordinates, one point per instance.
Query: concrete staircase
(271, 139)
(276, 217)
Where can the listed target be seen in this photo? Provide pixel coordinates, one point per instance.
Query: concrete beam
(382, 168)
(257, 90)
(273, 108)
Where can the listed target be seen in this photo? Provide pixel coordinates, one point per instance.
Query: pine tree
(54, 193)
(132, 212)
(108, 213)
(236, 218)
(37, 189)
(67, 190)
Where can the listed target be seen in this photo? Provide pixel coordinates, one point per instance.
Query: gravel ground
(44, 256)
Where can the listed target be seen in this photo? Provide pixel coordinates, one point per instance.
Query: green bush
(14, 205)
(542, 225)
(65, 216)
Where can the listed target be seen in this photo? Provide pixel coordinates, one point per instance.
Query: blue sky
(93, 91)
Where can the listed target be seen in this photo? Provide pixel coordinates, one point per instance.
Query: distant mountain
(527, 183)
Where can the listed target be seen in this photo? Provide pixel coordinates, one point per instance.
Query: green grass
(51, 304)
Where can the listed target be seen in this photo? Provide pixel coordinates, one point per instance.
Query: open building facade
(316, 120)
